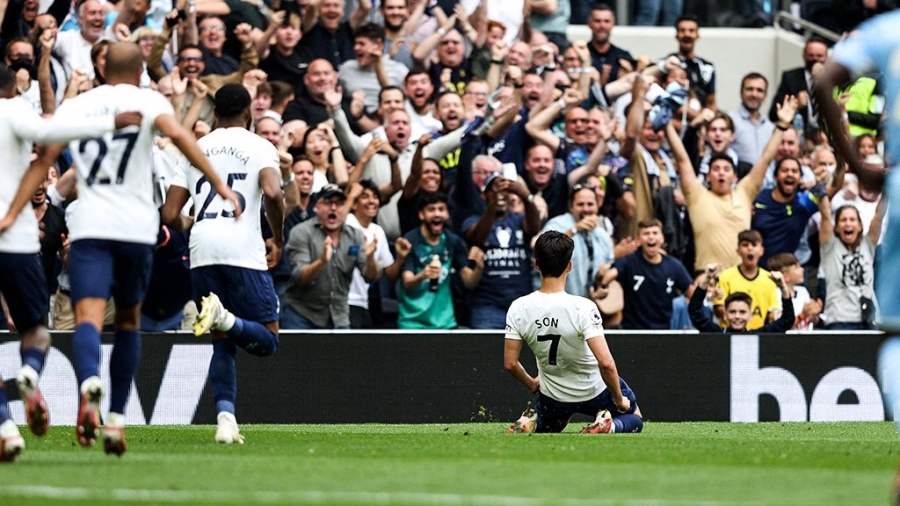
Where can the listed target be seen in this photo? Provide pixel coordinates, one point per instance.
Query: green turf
(683, 464)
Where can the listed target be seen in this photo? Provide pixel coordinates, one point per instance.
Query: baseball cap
(490, 179)
(331, 190)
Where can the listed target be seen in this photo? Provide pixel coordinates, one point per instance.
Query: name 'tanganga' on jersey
(217, 238)
(556, 326)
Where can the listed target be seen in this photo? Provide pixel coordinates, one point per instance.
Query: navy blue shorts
(553, 415)
(23, 284)
(247, 293)
(99, 269)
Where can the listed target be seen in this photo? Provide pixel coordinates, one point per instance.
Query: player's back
(115, 178)
(217, 238)
(22, 237)
(556, 326)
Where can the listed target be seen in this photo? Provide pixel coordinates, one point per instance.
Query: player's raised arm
(184, 141)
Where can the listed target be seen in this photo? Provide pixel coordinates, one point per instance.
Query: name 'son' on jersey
(546, 322)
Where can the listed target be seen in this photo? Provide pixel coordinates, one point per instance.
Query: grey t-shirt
(849, 275)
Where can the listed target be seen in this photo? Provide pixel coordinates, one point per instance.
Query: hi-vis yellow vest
(862, 100)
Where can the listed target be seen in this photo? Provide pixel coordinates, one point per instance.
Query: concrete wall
(734, 51)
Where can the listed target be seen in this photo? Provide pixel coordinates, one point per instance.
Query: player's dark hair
(231, 101)
(721, 156)
(780, 261)
(7, 79)
(428, 198)
(370, 31)
(750, 236)
(738, 297)
(552, 253)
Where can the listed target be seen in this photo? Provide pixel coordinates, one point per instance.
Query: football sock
(4, 409)
(628, 423)
(222, 374)
(123, 363)
(253, 337)
(86, 344)
(34, 357)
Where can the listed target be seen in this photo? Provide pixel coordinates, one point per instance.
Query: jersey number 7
(554, 346)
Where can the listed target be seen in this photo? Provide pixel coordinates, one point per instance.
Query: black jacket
(705, 324)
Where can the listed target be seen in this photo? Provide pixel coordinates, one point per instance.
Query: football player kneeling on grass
(576, 371)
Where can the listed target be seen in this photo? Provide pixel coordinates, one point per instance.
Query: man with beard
(327, 35)
(372, 70)
(719, 213)
(701, 73)
(781, 214)
(418, 88)
(396, 43)
(73, 47)
(650, 279)
(798, 82)
(424, 296)
(366, 201)
(610, 60)
(505, 236)
(593, 245)
(751, 128)
(324, 252)
(749, 278)
(286, 60)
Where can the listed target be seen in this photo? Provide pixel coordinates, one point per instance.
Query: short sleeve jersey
(649, 290)
(217, 238)
(114, 171)
(556, 326)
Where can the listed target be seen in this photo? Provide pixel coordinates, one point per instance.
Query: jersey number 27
(122, 144)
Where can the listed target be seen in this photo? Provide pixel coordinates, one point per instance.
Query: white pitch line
(328, 497)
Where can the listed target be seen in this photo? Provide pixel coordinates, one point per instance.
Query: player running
(22, 278)
(229, 265)
(113, 233)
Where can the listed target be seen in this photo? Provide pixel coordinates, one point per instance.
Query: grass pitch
(684, 464)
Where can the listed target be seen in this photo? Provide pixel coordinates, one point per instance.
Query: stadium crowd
(424, 146)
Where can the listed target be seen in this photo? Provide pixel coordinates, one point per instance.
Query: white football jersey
(115, 173)
(556, 327)
(238, 156)
(19, 127)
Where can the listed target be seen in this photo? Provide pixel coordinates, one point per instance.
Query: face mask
(809, 65)
(22, 62)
